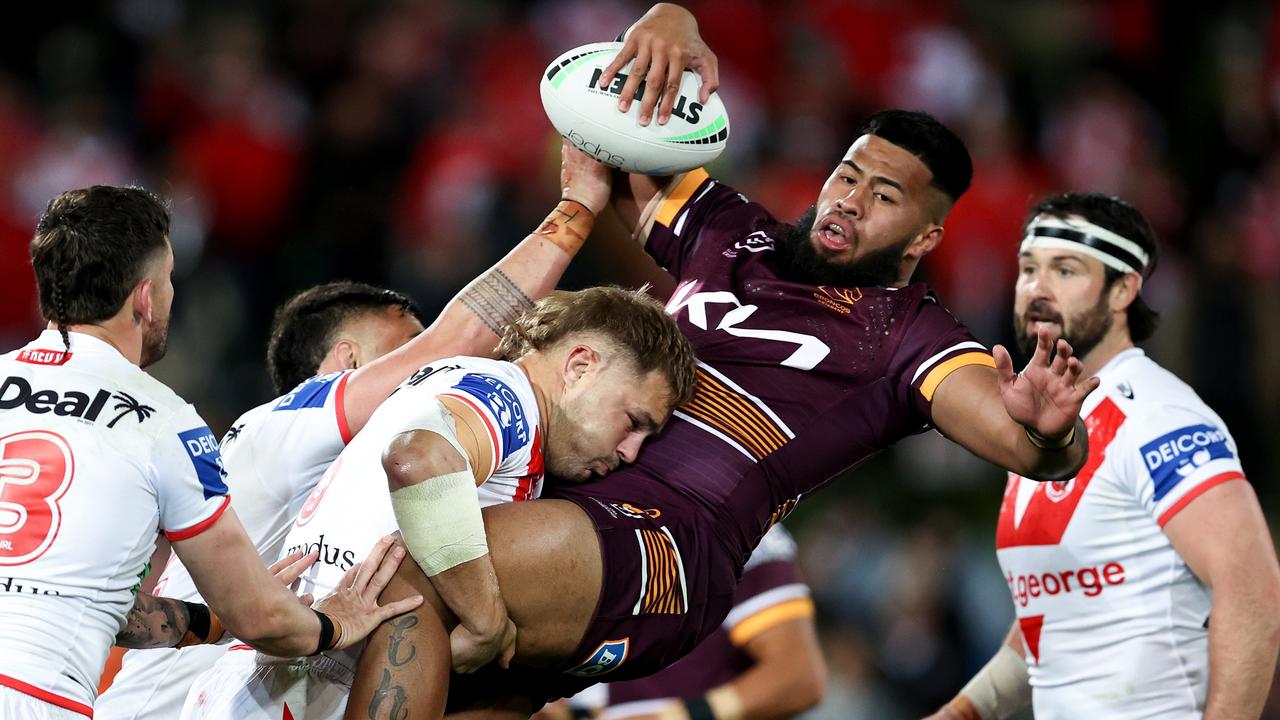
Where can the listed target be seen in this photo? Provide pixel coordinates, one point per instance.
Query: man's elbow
(807, 688)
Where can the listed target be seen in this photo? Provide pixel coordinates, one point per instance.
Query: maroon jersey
(797, 383)
(770, 593)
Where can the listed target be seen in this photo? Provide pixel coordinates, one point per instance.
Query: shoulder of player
(1146, 392)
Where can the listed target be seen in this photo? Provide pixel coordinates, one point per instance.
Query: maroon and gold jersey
(797, 383)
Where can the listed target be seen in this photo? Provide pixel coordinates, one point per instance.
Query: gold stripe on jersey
(753, 625)
(663, 593)
(728, 412)
(680, 195)
(940, 371)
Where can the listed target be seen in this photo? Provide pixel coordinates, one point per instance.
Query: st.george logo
(606, 658)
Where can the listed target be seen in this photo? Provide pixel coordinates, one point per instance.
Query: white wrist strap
(1001, 687)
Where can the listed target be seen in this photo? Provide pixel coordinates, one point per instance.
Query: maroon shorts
(668, 582)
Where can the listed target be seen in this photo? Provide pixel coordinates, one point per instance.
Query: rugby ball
(587, 115)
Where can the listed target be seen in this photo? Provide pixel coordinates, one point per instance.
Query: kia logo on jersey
(1173, 456)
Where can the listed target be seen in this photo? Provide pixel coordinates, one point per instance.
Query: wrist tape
(1000, 688)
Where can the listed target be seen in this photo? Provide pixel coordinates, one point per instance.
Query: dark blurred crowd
(404, 144)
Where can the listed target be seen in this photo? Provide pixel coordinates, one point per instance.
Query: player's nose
(629, 448)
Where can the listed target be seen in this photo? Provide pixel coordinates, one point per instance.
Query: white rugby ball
(587, 115)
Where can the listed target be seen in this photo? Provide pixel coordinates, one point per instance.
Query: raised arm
(663, 43)
(473, 320)
(1026, 422)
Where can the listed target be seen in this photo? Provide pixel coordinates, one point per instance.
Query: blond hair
(632, 320)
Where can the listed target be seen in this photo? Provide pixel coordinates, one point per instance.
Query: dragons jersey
(1115, 624)
(796, 382)
(96, 456)
(351, 509)
(771, 592)
(274, 455)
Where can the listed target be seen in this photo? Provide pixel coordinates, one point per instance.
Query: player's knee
(414, 456)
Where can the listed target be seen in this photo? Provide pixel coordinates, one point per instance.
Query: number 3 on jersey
(36, 468)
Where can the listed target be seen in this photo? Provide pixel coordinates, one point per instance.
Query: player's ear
(347, 354)
(925, 242)
(577, 362)
(1124, 291)
(143, 304)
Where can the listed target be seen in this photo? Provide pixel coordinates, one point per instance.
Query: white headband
(1114, 251)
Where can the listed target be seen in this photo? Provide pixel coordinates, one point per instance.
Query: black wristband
(198, 620)
(699, 709)
(326, 632)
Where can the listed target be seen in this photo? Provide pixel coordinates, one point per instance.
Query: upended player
(814, 353)
(595, 373)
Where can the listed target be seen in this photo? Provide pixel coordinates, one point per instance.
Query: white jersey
(274, 455)
(1115, 624)
(350, 510)
(96, 456)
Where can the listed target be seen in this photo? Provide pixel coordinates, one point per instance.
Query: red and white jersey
(274, 455)
(351, 507)
(1115, 624)
(96, 456)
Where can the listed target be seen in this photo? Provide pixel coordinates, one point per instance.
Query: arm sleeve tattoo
(154, 622)
(496, 300)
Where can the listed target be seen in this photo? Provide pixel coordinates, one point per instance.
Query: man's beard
(1083, 333)
(799, 261)
(155, 341)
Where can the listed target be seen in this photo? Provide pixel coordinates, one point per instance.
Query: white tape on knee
(1001, 687)
(440, 521)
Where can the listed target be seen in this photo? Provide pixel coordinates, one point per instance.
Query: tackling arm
(1223, 537)
(433, 474)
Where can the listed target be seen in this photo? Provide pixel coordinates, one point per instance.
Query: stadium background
(403, 144)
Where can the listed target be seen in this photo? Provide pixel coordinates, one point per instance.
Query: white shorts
(15, 704)
(153, 684)
(241, 687)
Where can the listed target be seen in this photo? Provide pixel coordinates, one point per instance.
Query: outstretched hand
(353, 606)
(1047, 395)
(663, 43)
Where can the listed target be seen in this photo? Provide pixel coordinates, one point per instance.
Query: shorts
(17, 704)
(667, 583)
(244, 685)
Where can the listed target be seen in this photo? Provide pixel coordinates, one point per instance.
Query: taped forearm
(997, 691)
(441, 522)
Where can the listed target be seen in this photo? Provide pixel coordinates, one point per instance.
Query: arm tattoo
(496, 300)
(396, 694)
(154, 622)
(557, 218)
(401, 624)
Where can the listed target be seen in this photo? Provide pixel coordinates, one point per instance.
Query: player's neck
(1115, 342)
(538, 378)
(126, 340)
